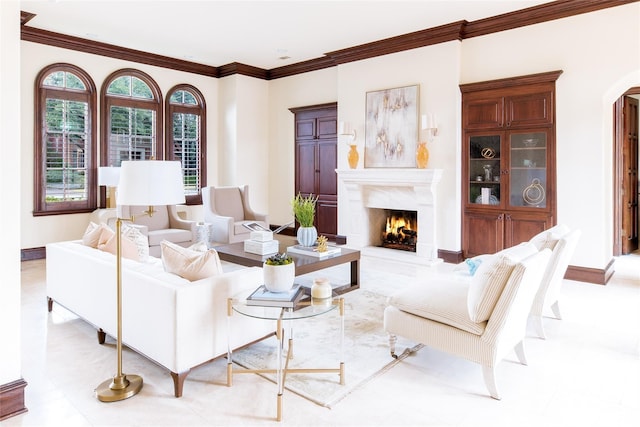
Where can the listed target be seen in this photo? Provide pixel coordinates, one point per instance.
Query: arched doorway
(625, 172)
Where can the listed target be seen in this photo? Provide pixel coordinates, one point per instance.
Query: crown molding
(246, 70)
(449, 32)
(301, 67)
(26, 17)
(417, 39)
(64, 41)
(536, 14)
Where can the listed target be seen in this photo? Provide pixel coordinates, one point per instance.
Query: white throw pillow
(491, 277)
(189, 264)
(108, 243)
(140, 240)
(91, 235)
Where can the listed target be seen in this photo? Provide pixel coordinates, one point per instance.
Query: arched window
(186, 137)
(131, 118)
(65, 142)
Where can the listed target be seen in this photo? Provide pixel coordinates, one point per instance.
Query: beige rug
(317, 345)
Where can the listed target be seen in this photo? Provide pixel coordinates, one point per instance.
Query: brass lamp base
(119, 388)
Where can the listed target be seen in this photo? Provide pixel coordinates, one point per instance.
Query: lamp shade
(108, 176)
(150, 182)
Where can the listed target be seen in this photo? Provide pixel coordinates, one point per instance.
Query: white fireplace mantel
(406, 189)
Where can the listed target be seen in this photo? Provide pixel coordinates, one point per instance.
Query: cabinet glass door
(528, 169)
(484, 169)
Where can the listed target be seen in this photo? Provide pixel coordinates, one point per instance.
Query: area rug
(317, 345)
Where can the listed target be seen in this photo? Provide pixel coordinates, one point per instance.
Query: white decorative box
(262, 236)
(261, 248)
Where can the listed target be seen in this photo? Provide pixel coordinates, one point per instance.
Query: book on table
(313, 251)
(288, 299)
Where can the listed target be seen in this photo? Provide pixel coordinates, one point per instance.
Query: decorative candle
(321, 288)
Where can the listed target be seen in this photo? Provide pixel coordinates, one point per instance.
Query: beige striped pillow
(487, 285)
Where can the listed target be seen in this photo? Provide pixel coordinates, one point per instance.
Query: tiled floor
(587, 373)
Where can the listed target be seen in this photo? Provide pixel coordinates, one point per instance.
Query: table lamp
(109, 176)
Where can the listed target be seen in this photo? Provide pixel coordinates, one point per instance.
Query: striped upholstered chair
(482, 319)
(562, 241)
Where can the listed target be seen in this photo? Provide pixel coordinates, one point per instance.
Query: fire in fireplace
(400, 230)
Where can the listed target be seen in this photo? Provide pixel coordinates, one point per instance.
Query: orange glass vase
(422, 155)
(353, 157)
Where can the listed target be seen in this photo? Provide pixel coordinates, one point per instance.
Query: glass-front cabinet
(511, 178)
(508, 161)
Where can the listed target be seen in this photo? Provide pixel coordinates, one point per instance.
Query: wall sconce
(346, 130)
(430, 125)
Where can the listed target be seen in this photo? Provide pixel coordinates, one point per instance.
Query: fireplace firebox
(400, 230)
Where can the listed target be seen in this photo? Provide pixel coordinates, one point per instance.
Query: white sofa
(176, 323)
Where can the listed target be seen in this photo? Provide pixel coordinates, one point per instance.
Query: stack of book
(289, 299)
(261, 240)
(313, 251)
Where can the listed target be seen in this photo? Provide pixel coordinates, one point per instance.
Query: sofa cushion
(439, 300)
(491, 277)
(140, 240)
(189, 264)
(91, 235)
(108, 243)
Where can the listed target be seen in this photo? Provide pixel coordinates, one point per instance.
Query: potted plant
(304, 210)
(279, 272)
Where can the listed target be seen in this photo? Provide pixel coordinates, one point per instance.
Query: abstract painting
(391, 128)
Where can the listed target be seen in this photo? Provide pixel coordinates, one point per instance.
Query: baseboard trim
(590, 275)
(33, 253)
(451, 257)
(12, 399)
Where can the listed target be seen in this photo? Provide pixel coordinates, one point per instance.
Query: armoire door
(316, 161)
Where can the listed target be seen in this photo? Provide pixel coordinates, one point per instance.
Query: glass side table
(304, 309)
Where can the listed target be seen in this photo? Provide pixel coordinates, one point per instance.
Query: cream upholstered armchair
(562, 241)
(227, 209)
(165, 224)
(482, 319)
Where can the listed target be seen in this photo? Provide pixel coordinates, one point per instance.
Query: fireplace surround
(370, 191)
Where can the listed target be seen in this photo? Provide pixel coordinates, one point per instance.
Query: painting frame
(391, 127)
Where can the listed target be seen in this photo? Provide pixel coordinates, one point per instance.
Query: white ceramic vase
(279, 278)
(307, 236)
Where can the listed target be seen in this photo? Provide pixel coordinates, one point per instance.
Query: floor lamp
(142, 183)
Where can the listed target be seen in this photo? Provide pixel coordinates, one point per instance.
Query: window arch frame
(201, 110)
(109, 100)
(40, 205)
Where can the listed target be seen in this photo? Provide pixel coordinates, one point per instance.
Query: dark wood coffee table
(234, 252)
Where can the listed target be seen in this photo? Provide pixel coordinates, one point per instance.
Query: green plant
(304, 209)
(279, 259)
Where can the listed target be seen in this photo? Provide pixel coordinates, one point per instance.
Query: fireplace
(400, 230)
(366, 194)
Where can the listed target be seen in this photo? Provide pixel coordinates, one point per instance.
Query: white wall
(38, 231)
(436, 70)
(595, 51)
(10, 217)
(318, 87)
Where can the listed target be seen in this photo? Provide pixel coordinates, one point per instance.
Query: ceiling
(261, 33)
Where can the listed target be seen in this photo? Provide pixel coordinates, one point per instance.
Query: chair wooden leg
(520, 352)
(489, 374)
(555, 307)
